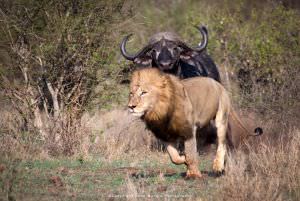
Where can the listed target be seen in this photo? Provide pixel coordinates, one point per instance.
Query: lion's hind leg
(221, 125)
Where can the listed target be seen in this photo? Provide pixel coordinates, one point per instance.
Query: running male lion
(174, 109)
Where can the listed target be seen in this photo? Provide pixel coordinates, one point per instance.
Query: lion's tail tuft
(258, 131)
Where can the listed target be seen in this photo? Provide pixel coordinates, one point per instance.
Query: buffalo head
(164, 50)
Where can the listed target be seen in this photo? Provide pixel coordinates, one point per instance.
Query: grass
(267, 171)
(94, 179)
(121, 166)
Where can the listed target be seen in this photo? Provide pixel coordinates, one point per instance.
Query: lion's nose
(131, 106)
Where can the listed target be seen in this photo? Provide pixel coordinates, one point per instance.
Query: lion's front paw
(218, 166)
(217, 173)
(193, 174)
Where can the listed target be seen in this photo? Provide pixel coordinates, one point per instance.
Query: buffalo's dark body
(199, 65)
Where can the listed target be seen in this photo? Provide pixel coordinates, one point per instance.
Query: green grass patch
(89, 180)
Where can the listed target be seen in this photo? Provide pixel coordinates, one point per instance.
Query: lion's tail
(257, 131)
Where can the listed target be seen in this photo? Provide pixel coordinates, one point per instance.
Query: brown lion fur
(175, 109)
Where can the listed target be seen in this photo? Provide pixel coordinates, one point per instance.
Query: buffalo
(166, 51)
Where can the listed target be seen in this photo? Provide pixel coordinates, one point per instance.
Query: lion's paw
(217, 173)
(218, 166)
(193, 175)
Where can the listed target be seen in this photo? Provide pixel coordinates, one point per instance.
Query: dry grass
(268, 172)
(14, 141)
(22, 141)
(131, 190)
(117, 132)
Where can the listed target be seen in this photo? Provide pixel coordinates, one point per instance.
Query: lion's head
(149, 93)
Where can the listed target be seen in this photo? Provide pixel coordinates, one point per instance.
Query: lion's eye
(143, 93)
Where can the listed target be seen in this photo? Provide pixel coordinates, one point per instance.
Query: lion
(175, 109)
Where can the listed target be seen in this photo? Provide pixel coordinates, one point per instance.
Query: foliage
(258, 41)
(55, 59)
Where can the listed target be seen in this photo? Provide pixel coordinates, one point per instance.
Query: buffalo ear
(186, 55)
(145, 61)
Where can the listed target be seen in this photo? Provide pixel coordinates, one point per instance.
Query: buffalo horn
(201, 45)
(129, 56)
